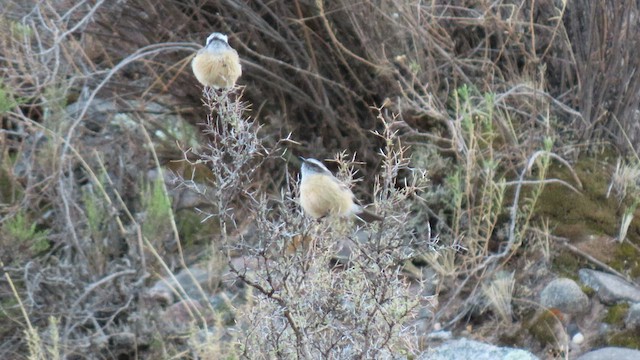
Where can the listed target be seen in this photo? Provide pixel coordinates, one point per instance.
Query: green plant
(624, 183)
(20, 30)
(24, 232)
(94, 211)
(157, 206)
(7, 102)
(488, 205)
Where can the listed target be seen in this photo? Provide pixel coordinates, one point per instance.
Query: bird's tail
(368, 216)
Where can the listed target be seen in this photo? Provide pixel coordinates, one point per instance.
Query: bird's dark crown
(313, 166)
(216, 36)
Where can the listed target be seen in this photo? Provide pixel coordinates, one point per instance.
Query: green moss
(627, 339)
(542, 328)
(567, 264)
(627, 259)
(588, 291)
(511, 338)
(192, 230)
(616, 314)
(575, 214)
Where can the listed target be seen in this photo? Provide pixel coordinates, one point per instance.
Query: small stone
(577, 338)
(565, 295)
(633, 317)
(574, 333)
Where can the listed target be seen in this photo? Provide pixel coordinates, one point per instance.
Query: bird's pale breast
(322, 195)
(220, 70)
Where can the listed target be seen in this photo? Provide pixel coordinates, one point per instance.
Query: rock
(440, 335)
(610, 288)
(565, 295)
(604, 329)
(164, 290)
(225, 306)
(611, 353)
(246, 266)
(632, 321)
(577, 338)
(469, 349)
(575, 334)
(181, 316)
(98, 113)
(159, 293)
(124, 340)
(207, 344)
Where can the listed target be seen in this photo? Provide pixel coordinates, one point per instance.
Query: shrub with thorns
(323, 289)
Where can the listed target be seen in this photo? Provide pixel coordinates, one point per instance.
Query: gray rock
(610, 288)
(181, 316)
(124, 340)
(440, 335)
(565, 295)
(633, 317)
(469, 349)
(166, 291)
(611, 353)
(99, 110)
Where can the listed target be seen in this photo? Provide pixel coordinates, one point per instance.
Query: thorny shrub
(324, 289)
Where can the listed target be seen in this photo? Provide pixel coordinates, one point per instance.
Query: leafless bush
(323, 289)
(603, 36)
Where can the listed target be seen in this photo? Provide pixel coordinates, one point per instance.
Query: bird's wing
(344, 187)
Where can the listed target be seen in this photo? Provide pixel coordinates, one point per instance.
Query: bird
(323, 195)
(217, 65)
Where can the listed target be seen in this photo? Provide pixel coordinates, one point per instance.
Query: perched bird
(217, 64)
(322, 194)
